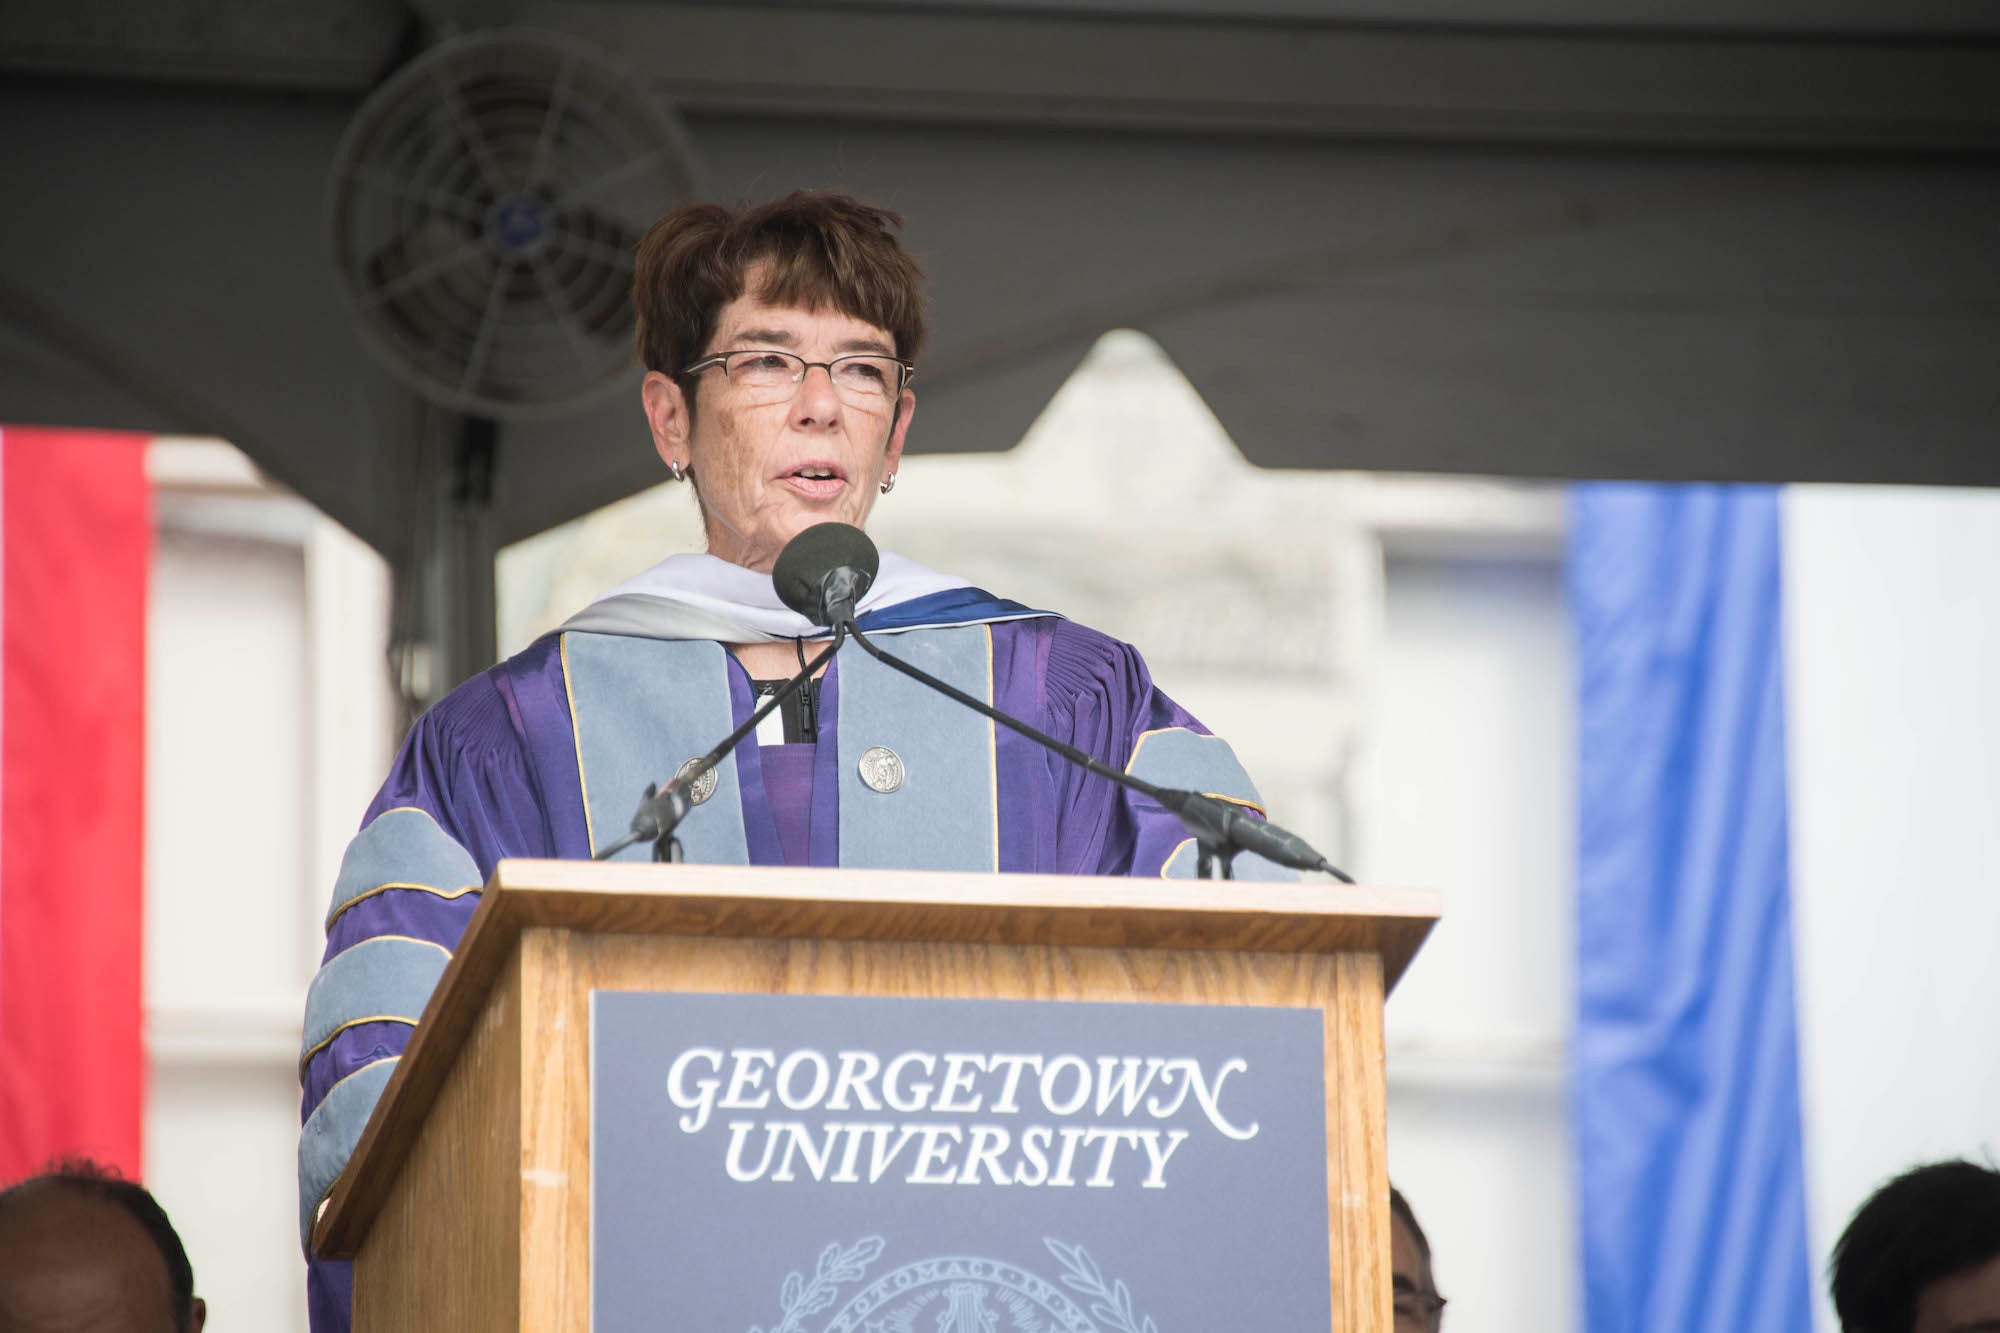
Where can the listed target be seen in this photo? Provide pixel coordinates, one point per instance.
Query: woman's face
(767, 468)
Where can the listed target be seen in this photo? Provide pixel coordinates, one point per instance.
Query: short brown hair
(820, 250)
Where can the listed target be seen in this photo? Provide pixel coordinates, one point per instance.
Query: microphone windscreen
(800, 574)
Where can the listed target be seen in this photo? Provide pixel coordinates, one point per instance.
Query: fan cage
(483, 209)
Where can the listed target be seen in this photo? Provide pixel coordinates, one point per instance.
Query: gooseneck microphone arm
(946, 688)
(823, 573)
(661, 812)
(1221, 828)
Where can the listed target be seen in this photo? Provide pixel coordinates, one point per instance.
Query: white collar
(718, 600)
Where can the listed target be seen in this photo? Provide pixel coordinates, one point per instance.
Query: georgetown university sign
(807, 1164)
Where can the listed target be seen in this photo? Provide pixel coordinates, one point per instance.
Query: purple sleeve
(1099, 697)
(465, 768)
(466, 763)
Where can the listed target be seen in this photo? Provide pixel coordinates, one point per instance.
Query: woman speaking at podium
(780, 344)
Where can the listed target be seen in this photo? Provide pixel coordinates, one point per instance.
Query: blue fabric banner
(1685, 1075)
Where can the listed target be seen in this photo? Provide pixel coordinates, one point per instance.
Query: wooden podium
(467, 1202)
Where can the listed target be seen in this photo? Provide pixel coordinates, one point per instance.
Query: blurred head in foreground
(1923, 1255)
(1419, 1308)
(83, 1251)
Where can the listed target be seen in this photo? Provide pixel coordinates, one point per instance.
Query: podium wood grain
(479, 1154)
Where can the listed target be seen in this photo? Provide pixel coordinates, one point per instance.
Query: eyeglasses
(1421, 1310)
(862, 380)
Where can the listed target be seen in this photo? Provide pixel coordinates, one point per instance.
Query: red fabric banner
(75, 542)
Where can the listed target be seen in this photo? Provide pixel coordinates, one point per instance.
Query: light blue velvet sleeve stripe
(1248, 865)
(402, 849)
(385, 979)
(1178, 757)
(331, 1132)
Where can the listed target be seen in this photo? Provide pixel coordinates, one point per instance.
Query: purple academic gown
(494, 764)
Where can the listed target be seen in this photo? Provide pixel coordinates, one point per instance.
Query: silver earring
(888, 483)
(677, 472)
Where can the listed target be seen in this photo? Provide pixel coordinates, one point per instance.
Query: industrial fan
(483, 207)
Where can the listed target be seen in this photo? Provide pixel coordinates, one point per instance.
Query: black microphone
(823, 572)
(1234, 827)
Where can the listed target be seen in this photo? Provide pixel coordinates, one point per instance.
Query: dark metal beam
(1275, 75)
(1955, 18)
(344, 46)
(1921, 75)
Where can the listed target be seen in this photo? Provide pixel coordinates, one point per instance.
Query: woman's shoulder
(471, 725)
(1078, 661)
(483, 714)
(1081, 642)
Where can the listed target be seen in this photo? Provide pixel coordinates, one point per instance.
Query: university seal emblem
(955, 1293)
